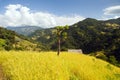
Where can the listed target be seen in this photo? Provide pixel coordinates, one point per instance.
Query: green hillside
(48, 66)
(9, 40)
(6, 39)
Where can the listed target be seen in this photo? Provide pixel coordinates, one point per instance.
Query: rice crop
(28, 65)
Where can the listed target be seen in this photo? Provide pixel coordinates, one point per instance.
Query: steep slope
(9, 40)
(86, 33)
(6, 38)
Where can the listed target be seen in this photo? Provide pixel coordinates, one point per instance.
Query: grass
(25, 65)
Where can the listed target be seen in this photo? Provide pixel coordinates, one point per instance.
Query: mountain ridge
(24, 30)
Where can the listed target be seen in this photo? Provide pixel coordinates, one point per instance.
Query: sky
(50, 13)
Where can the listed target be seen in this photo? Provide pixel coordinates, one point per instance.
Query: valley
(99, 41)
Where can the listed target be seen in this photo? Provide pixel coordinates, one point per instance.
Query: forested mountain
(24, 30)
(90, 35)
(10, 40)
(6, 38)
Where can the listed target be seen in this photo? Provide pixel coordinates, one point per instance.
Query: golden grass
(27, 65)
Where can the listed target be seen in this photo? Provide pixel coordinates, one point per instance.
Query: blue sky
(58, 12)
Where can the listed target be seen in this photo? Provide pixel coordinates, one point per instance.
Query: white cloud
(18, 15)
(115, 17)
(113, 10)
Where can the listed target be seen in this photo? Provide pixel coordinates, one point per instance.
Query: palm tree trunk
(58, 47)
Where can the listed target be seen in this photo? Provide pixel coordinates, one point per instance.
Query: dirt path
(1, 74)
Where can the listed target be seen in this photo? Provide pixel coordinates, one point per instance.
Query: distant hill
(117, 21)
(90, 35)
(24, 30)
(10, 40)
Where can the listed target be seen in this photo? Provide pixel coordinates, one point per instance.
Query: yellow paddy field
(28, 65)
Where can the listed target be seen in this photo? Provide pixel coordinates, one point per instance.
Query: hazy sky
(50, 13)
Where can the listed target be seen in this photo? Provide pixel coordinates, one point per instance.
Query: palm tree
(61, 34)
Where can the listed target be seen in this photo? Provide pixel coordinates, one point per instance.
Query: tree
(61, 34)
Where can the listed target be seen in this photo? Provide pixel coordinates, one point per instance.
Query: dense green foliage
(9, 40)
(90, 35)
